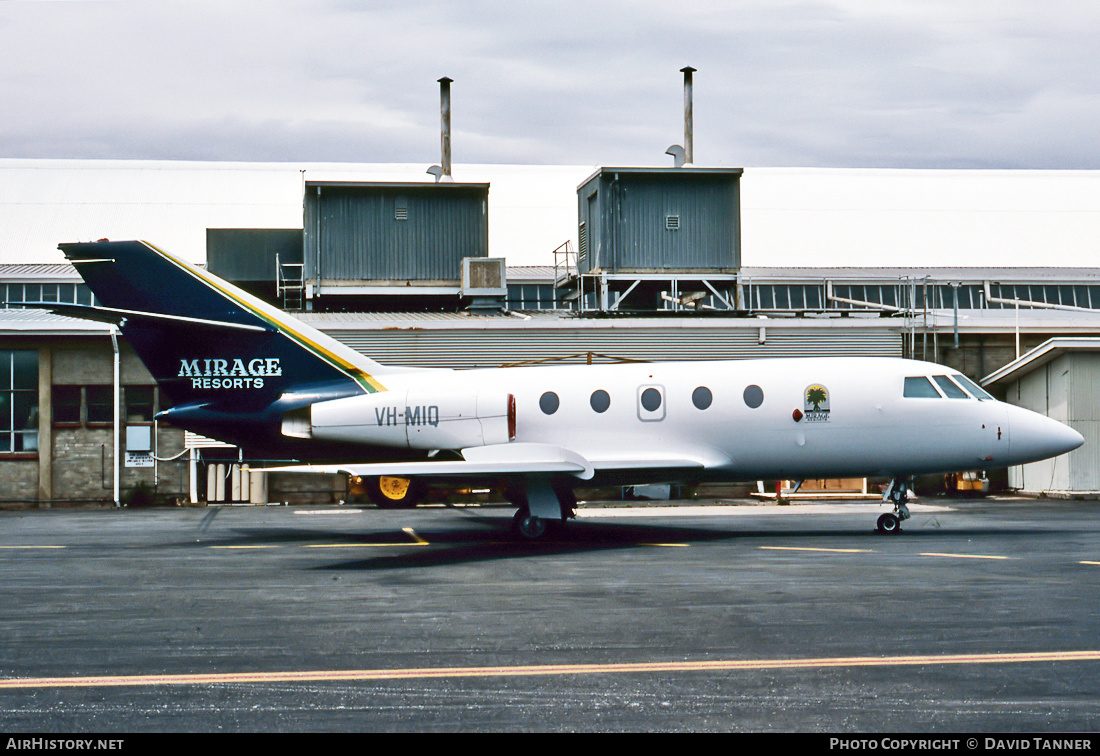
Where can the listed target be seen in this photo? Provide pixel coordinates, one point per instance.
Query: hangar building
(515, 264)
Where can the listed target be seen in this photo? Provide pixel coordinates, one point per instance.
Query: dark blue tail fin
(206, 342)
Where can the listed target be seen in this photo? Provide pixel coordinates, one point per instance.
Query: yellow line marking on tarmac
(806, 548)
(359, 545)
(965, 556)
(413, 534)
(731, 665)
(321, 512)
(417, 541)
(1093, 563)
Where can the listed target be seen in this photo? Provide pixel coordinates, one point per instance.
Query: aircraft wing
(506, 459)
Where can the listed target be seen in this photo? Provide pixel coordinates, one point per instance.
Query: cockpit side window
(973, 388)
(949, 388)
(919, 387)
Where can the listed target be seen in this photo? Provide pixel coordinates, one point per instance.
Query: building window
(18, 400)
(101, 404)
(139, 404)
(66, 404)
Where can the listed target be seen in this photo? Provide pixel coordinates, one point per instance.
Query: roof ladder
(290, 280)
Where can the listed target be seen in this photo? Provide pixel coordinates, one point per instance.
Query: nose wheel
(898, 495)
(888, 523)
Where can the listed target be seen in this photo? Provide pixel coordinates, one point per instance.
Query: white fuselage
(734, 420)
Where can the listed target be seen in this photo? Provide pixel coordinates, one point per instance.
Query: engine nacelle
(414, 419)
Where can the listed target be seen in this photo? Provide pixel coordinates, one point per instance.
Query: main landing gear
(388, 492)
(543, 509)
(898, 494)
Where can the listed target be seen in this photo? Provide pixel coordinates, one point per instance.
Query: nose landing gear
(898, 494)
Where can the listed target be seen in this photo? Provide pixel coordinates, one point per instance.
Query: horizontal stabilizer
(116, 316)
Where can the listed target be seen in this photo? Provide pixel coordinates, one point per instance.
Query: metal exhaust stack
(445, 128)
(689, 128)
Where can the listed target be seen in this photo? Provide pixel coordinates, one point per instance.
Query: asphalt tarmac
(981, 616)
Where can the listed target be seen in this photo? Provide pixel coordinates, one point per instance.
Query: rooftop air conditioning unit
(484, 277)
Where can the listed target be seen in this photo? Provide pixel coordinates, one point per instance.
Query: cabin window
(600, 400)
(549, 402)
(949, 388)
(972, 387)
(919, 387)
(651, 403)
(701, 397)
(754, 396)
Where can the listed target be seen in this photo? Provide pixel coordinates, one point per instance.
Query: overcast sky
(841, 83)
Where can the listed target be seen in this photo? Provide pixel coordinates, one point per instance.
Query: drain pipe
(118, 418)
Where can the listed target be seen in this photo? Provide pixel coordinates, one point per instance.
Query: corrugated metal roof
(1041, 355)
(29, 322)
(171, 204)
(960, 274)
(790, 216)
(492, 347)
(39, 272)
(468, 341)
(828, 217)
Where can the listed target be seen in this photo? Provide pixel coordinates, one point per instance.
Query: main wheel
(388, 492)
(889, 523)
(529, 527)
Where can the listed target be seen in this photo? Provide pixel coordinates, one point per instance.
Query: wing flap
(510, 459)
(496, 459)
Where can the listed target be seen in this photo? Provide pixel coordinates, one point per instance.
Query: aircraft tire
(394, 493)
(532, 528)
(889, 523)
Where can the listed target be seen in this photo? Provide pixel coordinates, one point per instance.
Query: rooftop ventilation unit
(484, 277)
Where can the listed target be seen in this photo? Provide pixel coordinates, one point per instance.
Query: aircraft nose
(1034, 436)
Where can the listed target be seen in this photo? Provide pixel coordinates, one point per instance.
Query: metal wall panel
(1084, 375)
(652, 220)
(1063, 389)
(248, 254)
(394, 232)
(488, 347)
(1084, 469)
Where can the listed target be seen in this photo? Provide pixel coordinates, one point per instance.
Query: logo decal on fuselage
(220, 373)
(816, 399)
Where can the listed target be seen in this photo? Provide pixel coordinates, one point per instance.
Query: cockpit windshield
(973, 388)
(925, 387)
(949, 388)
(919, 387)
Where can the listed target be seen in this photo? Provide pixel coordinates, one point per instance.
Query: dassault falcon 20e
(244, 372)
